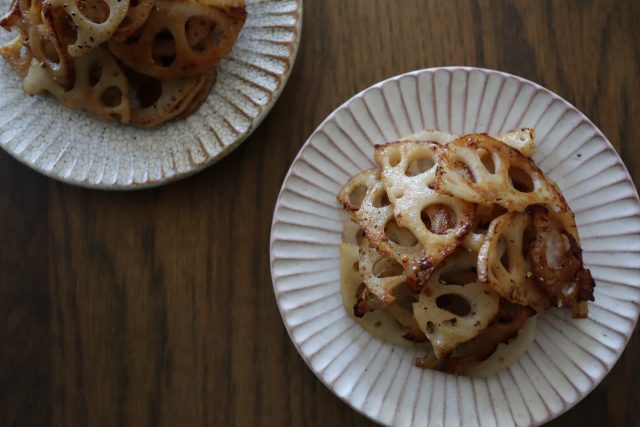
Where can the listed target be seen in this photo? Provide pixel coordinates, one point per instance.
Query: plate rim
(211, 160)
(378, 85)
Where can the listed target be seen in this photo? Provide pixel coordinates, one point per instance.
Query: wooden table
(156, 307)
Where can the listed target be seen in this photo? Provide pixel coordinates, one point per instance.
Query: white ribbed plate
(76, 148)
(568, 357)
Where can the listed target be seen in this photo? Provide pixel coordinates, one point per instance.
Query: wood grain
(155, 308)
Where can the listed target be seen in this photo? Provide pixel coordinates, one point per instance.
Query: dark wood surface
(155, 308)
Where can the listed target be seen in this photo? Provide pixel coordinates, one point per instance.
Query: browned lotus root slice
(381, 275)
(521, 140)
(364, 196)
(438, 221)
(393, 324)
(182, 38)
(511, 318)
(556, 263)
(17, 55)
(13, 15)
(100, 87)
(454, 306)
(137, 14)
(201, 96)
(36, 23)
(156, 101)
(94, 21)
(481, 169)
(502, 264)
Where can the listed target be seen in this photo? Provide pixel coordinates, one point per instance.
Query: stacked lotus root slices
(142, 62)
(455, 242)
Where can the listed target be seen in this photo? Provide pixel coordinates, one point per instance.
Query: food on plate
(142, 62)
(454, 244)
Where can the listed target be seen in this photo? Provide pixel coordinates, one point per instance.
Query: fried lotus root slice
(522, 140)
(556, 263)
(438, 221)
(12, 16)
(481, 169)
(137, 15)
(502, 265)
(509, 321)
(156, 101)
(201, 96)
(40, 39)
(181, 38)
(454, 307)
(17, 55)
(381, 275)
(100, 87)
(379, 322)
(365, 197)
(94, 21)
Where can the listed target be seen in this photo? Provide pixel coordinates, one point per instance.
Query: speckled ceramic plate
(76, 148)
(567, 359)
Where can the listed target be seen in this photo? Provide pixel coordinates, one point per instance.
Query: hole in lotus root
(463, 170)
(557, 248)
(111, 97)
(487, 160)
(394, 156)
(419, 166)
(458, 277)
(430, 327)
(381, 200)
(95, 72)
(507, 312)
(202, 33)
(520, 180)
(386, 267)
(356, 196)
(438, 218)
(454, 304)
(163, 48)
(63, 26)
(399, 235)
(95, 10)
(50, 50)
(146, 90)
